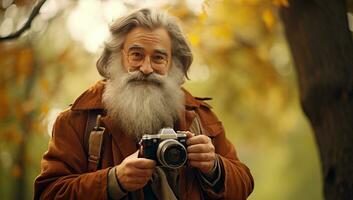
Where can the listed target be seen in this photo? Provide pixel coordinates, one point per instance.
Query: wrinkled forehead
(149, 40)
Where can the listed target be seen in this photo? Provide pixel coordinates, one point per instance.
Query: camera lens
(174, 155)
(171, 153)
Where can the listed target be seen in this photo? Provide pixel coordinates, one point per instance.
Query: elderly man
(144, 65)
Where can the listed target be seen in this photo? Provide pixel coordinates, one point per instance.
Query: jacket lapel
(122, 144)
(185, 119)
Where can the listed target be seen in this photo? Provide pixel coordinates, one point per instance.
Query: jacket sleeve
(236, 179)
(64, 166)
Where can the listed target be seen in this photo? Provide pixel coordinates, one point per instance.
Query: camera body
(167, 148)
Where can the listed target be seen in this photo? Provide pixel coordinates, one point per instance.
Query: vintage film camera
(167, 148)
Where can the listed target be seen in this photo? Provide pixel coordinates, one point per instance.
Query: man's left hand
(201, 152)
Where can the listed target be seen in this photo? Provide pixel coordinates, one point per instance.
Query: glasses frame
(143, 60)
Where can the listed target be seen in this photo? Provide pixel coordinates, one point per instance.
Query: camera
(167, 148)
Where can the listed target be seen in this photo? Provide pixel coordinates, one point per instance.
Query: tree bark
(322, 49)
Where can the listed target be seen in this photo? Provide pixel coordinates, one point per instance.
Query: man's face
(144, 92)
(147, 51)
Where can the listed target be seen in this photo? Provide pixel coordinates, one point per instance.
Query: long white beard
(143, 104)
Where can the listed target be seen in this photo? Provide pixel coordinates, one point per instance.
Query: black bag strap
(93, 139)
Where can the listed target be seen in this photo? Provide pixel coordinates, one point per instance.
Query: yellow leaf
(223, 31)
(268, 18)
(203, 16)
(194, 39)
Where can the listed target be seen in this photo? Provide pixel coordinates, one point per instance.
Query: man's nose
(146, 66)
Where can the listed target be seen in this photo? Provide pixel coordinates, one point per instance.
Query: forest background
(242, 60)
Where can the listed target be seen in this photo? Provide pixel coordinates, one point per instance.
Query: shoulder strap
(90, 123)
(93, 139)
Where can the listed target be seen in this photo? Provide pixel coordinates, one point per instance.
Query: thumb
(134, 155)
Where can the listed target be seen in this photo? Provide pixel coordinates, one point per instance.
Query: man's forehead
(157, 39)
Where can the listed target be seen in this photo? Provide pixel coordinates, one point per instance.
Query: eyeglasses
(136, 57)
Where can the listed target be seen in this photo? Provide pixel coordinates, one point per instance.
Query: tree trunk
(322, 49)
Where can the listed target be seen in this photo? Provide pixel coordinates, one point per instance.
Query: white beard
(143, 104)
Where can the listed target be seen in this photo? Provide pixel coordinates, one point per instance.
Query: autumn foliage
(241, 60)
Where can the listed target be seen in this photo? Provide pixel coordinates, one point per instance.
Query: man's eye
(159, 58)
(136, 55)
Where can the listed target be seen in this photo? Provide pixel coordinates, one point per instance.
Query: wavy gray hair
(150, 19)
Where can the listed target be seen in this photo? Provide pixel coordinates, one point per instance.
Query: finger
(202, 165)
(134, 155)
(200, 148)
(199, 139)
(143, 163)
(189, 134)
(201, 156)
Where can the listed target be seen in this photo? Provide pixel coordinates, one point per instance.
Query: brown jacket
(64, 166)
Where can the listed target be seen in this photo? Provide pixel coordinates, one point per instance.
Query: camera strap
(93, 139)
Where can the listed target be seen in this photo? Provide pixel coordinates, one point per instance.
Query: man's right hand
(134, 173)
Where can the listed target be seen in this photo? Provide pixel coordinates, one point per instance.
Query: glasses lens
(136, 58)
(159, 59)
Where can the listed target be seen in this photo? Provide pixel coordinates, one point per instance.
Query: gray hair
(150, 19)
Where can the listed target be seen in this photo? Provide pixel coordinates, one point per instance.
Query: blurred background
(241, 60)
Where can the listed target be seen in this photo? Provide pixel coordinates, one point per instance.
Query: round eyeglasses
(136, 57)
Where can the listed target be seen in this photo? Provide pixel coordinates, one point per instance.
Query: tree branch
(28, 23)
